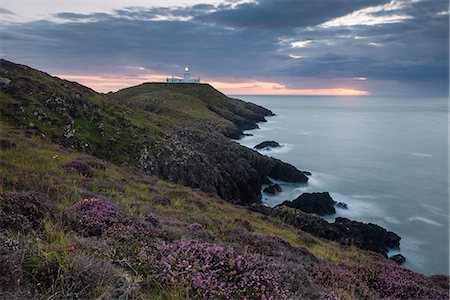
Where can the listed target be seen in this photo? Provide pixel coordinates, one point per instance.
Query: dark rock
(266, 180)
(307, 173)
(286, 172)
(398, 258)
(267, 144)
(365, 236)
(341, 205)
(214, 164)
(273, 189)
(316, 203)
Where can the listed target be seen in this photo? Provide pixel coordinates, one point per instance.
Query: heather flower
(129, 231)
(380, 280)
(152, 219)
(79, 167)
(23, 210)
(211, 271)
(195, 227)
(96, 215)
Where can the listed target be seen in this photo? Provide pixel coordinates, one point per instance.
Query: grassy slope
(35, 165)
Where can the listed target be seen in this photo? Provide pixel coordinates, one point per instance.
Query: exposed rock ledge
(213, 163)
(365, 236)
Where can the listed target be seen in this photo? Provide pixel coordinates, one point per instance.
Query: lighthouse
(186, 77)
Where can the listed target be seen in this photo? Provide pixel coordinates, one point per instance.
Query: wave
(283, 149)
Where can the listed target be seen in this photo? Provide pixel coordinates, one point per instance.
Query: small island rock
(267, 144)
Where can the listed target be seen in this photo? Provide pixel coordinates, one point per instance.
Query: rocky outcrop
(398, 259)
(211, 162)
(267, 145)
(315, 203)
(286, 172)
(362, 235)
(273, 189)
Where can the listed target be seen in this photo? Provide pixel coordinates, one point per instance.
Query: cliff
(178, 132)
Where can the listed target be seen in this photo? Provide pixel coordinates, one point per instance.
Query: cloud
(286, 14)
(4, 11)
(269, 41)
(374, 15)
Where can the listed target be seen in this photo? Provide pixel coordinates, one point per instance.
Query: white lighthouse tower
(186, 77)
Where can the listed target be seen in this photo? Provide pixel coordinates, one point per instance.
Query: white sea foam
(424, 220)
(283, 149)
(305, 132)
(421, 154)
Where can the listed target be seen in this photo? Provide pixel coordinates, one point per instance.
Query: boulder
(286, 172)
(267, 144)
(316, 203)
(307, 173)
(398, 258)
(273, 189)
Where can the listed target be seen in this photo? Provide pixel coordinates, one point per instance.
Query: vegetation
(76, 226)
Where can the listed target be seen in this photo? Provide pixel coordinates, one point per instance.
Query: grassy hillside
(50, 250)
(82, 216)
(178, 132)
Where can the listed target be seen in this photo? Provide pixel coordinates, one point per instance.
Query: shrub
(195, 227)
(10, 262)
(210, 271)
(23, 210)
(163, 200)
(93, 216)
(151, 218)
(78, 167)
(81, 277)
(379, 280)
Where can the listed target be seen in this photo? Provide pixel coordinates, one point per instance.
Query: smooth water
(386, 157)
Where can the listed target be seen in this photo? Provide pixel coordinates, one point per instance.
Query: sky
(285, 47)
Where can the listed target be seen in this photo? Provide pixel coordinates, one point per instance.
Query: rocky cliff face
(212, 163)
(178, 132)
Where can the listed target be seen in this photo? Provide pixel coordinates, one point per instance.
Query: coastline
(131, 184)
(371, 176)
(387, 242)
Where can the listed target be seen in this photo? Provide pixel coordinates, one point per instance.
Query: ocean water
(386, 157)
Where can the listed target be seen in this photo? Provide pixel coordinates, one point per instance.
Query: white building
(186, 77)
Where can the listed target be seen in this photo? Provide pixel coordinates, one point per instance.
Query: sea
(386, 157)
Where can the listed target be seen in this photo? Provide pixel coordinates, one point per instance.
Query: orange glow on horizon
(271, 88)
(115, 83)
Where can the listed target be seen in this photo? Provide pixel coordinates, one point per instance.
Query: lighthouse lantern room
(186, 77)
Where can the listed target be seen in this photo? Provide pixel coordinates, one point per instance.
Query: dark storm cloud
(286, 14)
(222, 41)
